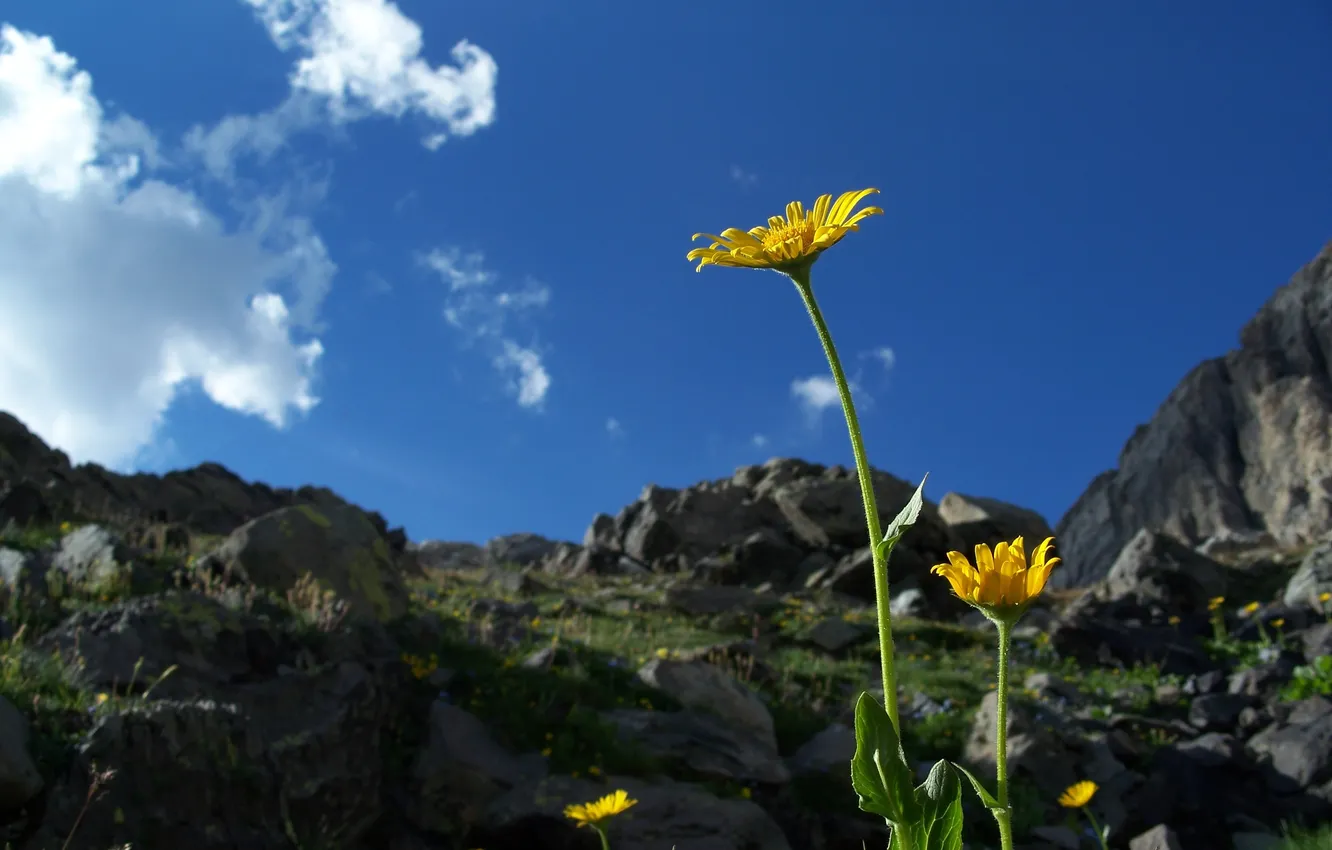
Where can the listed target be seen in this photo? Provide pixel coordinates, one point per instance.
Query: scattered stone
(1159, 837)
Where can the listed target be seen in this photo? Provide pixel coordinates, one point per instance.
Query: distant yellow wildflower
(1278, 622)
(1215, 602)
(793, 241)
(1078, 794)
(1001, 583)
(1249, 609)
(1325, 596)
(592, 814)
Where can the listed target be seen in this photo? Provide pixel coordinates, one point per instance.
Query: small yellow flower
(1279, 622)
(102, 698)
(1249, 609)
(1173, 620)
(592, 814)
(746, 793)
(65, 527)
(1078, 794)
(546, 752)
(1215, 602)
(1325, 596)
(787, 242)
(663, 652)
(1001, 583)
(536, 622)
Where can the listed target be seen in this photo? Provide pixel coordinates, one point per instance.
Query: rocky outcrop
(38, 482)
(1243, 444)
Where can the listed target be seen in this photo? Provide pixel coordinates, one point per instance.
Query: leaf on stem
(879, 771)
(985, 796)
(940, 800)
(904, 520)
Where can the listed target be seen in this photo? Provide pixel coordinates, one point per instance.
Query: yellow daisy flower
(592, 814)
(1215, 602)
(1078, 794)
(1249, 609)
(1001, 584)
(787, 242)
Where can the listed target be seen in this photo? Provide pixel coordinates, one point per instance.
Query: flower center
(790, 240)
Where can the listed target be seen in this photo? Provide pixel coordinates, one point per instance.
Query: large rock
(19, 779)
(339, 546)
(979, 520)
(1244, 443)
(1154, 569)
(252, 739)
(1312, 579)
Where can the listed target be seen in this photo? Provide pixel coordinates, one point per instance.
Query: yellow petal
(984, 560)
(821, 207)
(1018, 548)
(1042, 550)
(847, 202)
(853, 223)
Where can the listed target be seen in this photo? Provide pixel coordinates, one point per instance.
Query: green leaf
(879, 771)
(940, 801)
(986, 797)
(904, 520)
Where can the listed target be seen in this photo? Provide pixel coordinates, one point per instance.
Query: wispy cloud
(743, 177)
(759, 441)
(482, 311)
(884, 355)
(614, 428)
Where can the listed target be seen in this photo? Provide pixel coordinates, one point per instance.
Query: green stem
(1096, 827)
(1005, 815)
(801, 279)
(601, 830)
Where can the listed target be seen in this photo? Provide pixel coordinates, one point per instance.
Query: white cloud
(357, 58)
(759, 441)
(744, 178)
(818, 393)
(815, 394)
(477, 307)
(614, 428)
(117, 289)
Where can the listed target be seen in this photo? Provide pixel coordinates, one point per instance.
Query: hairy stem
(1005, 814)
(801, 279)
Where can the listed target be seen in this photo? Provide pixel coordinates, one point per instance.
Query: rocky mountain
(1242, 446)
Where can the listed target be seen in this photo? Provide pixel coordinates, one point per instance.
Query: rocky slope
(1243, 445)
(191, 660)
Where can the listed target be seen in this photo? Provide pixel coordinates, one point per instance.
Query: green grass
(1306, 839)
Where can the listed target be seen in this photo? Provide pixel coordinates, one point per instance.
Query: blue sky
(317, 242)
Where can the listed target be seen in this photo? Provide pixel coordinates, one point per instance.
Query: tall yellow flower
(787, 242)
(592, 814)
(1001, 584)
